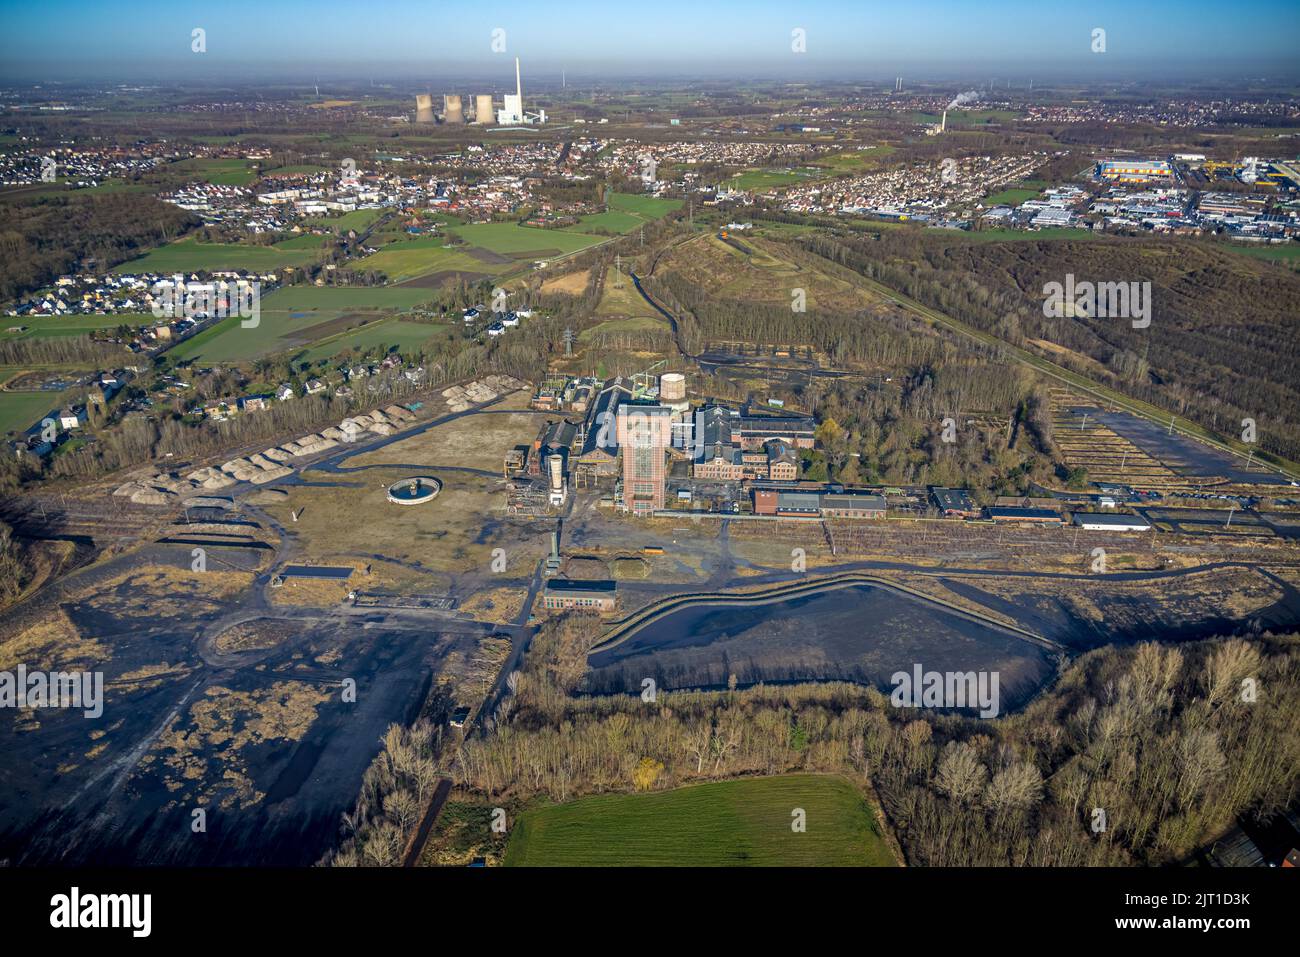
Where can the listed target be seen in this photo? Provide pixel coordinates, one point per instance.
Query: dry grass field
(455, 532)
(570, 284)
(767, 274)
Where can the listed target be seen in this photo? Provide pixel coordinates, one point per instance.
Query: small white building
(1103, 522)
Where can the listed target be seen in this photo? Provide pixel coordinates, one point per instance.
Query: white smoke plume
(962, 99)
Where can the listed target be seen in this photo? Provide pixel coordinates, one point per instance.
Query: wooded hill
(1221, 346)
(44, 237)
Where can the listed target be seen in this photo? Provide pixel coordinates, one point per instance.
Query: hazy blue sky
(852, 40)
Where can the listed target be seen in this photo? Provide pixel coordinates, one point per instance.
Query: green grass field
(627, 212)
(1010, 197)
(613, 221)
(54, 327)
(218, 172)
(1286, 253)
(639, 204)
(296, 317)
(741, 822)
(407, 259)
(186, 255)
(299, 169)
(770, 178)
(856, 161)
(511, 239)
(339, 299)
(393, 332)
(19, 411)
(402, 259)
(358, 219)
(308, 241)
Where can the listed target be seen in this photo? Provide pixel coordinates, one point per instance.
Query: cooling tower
(672, 387)
(483, 109)
(452, 110)
(423, 108)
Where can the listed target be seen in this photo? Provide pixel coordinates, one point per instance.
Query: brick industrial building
(644, 435)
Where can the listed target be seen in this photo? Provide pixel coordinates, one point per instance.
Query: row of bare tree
(1140, 754)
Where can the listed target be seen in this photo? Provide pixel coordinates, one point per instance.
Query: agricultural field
(613, 221)
(300, 316)
(647, 207)
(387, 333)
(759, 179)
(358, 219)
(307, 241)
(218, 172)
(300, 169)
(745, 822)
(494, 249)
(524, 242)
(332, 299)
(429, 261)
(19, 411)
(187, 255)
(54, 327)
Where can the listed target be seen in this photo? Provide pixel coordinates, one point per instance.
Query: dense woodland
(44, 237)
(1163, 739)
(1001, 430)
(1220, 346)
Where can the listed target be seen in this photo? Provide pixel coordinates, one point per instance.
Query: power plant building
(512, 111)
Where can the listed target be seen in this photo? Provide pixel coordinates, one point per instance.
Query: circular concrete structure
(672, 387)
(414, 491)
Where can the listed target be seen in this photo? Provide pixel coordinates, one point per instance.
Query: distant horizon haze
(961, 40)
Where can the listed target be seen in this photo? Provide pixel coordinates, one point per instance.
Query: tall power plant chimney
(452, 110)
(943, 122)
(519, 86)
(483, 109)
(423, 108)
